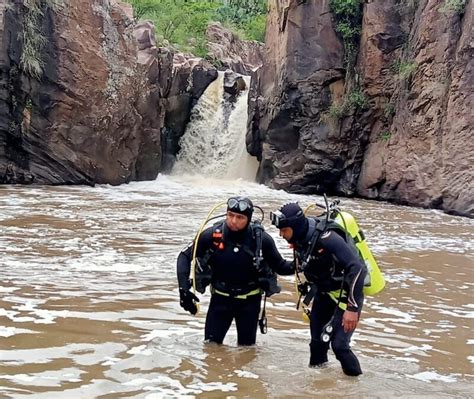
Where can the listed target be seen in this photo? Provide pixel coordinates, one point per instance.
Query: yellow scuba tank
(348, 223)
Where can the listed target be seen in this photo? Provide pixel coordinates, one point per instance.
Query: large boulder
(242, 56)
(85, 107)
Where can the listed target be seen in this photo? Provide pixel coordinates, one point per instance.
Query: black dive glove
(188, 300)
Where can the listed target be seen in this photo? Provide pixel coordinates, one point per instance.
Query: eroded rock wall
(421, 149)
(409, 137)
(302, 70)
(94, 112)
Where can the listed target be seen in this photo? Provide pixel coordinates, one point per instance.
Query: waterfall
(213, 144)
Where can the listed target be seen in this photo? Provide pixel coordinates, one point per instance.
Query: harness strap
(256, 291)
(314, 232)
(336, 297)
(262, 321)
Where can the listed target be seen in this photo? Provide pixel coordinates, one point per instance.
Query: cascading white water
(213, 144)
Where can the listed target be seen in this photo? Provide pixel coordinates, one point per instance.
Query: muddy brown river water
(89, 305)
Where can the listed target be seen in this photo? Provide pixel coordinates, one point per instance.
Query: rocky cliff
(80, 96)
(393, 124)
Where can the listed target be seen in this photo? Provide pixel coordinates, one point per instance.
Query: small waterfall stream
(213, 144)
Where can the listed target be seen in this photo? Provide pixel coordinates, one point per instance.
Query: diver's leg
(340, 344)
(219, 318)
(246, 319)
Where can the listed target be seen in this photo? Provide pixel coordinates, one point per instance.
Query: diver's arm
(274, 258)
(354, 270)
(183, 266)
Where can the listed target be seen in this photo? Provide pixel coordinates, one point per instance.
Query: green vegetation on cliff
(183, 22)
(32, 35)
(348, 23)
(453, 6)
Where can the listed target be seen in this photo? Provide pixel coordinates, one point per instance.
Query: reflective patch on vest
(326, 234)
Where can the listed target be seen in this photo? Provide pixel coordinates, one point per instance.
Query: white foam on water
(406, 359)
(109, 361)
(429, 376)
(169, 333)
(8, 289)
(11, 331)
(200, 387)
(51, 378)
(246, 374)
(82, 354)
(403, 317)
(140, 350)
(115, 264)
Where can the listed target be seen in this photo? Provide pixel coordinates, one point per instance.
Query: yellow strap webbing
(256, 291)
(334, 295)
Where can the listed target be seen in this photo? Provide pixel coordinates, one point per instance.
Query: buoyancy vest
(346, 226)
(266, 278)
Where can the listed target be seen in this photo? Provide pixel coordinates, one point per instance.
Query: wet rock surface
(191, 76)
(242, 56)
(410, 138)
(93, 113)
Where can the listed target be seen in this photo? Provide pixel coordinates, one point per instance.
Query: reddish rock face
(423, 154)
(94, 113)
(302, 67)
(410, 143)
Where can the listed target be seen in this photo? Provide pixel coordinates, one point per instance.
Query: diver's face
(236, 221)
(286, 233)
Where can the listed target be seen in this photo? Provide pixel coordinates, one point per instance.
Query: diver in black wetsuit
(335, 275)
(228, 251)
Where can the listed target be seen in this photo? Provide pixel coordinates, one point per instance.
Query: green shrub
(404, 69)
(356, 99)
(337, 111)
(255, 28)
(385, 135)
(347, 30)
(33, 39)
(29, 104)
(348, 23)
(142, 7)
(389, 110)
(183, 23)
(453, 6)
(345, 7)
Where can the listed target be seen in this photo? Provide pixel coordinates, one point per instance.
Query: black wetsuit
(234, 275)
(331, 259)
